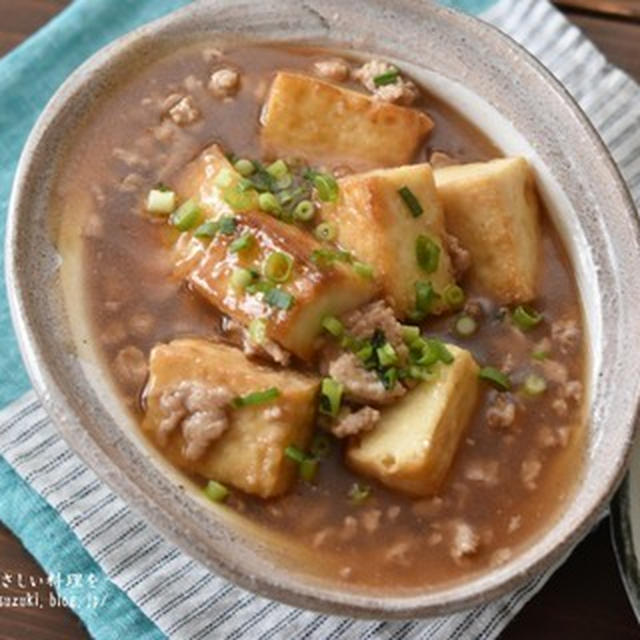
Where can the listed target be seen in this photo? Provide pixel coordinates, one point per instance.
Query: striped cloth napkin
(85, 536)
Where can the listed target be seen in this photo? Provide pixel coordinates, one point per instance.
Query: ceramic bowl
(509, 96)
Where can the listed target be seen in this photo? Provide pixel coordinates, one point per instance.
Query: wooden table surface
(585, 598)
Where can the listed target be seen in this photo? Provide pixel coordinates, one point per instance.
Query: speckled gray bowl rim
(509, 79)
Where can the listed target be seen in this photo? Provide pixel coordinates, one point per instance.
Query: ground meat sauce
(520, 456)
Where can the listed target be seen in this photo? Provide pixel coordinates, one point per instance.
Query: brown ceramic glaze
(504, 92)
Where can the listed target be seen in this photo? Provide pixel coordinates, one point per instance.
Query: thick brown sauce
(135, 302)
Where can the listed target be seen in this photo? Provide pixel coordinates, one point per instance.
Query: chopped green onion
(308, 469)
(363, 269)
(413, 204)
(257, 397)
(262, 286)
(239, 199)
(224, 178)
(540, 354)
(333, 326)
(421, 373)
(279, 298)
(207, 229)
(534, 384)
(285, 182)
(425, 296)
(325, 231)
(293, 453)
(495, 377)
(240, 278)
(278, 169)
(304, 210)
(278, 267)
(389, 378)
(245, 241)
(410, 333)
(330, 397)
(227, 225)
(324, 257)
(257, 331)
(427, 253)
(526, 318)
(453, 295)
(465, 326)
(359, 493)
(215, 491)
(388, 77)
(320, 446)
(269, 203)
(365, 352)
(186, 216)
(161, 201)
(387, 355)
(326, 186)
(244, 167)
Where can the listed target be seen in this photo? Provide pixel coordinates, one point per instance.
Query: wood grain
(585, 598)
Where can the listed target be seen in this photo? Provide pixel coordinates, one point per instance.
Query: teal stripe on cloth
(106, 611)
(468, 6)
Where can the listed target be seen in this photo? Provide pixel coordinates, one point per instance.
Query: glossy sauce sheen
(136, 303)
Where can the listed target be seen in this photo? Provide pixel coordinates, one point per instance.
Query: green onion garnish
(427, 253)
(304, 211)
(325, 232)
(278, 266)
(454, 296)
(326, 186)
(245, 241)
(227, 225)
(257, 331)
(495, 377)
(465, 326)
(279, 299)
(388, 77)
(333, 326)
(238, 198)
(161, 201)
(308, 469)
(359, 493)
(420, 373)
(244, 167)
(278, 169)
(293, 453)
(387, 355)
(389, 377)
(215, 491)
(269, 203)
(240, 278)
(410, 333)
(526, 318)
(540, 354)
(425, 296)
(186, 216)
(324, 257)
(365, 353)
(534, 384)
(224, 178)
(257, 397)
(207, 229)
(320, 446)
(330, 397)
(413, 204)
(363, 269)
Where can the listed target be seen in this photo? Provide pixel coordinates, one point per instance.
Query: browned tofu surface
(492, 208)
(374, 222)
(318, 290)
(250, 453)
(324, 123)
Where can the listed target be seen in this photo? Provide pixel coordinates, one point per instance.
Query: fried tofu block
(314, 289)
(198, 180)
(413, 445)
(324, 123)
(493, 210)
(375, 223)
(250, 453)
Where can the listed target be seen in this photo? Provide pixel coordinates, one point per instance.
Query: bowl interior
(497, 86)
